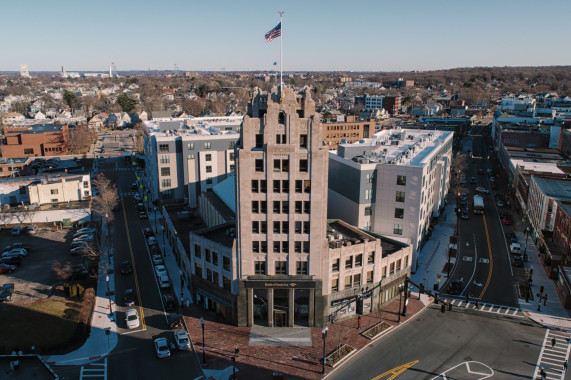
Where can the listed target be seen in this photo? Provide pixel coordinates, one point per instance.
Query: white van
(515, 248)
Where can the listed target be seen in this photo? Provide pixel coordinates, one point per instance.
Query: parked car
(126, 267)
(78, 271)
(160, 270)
(86, 230)
(78, 251)
(517, 261)
(134, 186)
(6, 292)
(164, 282)
(15, 252)
(170, 302)
(85, 238)
(173, 321)
(140, 207)
(472, 179)
(132, 318)
(17, 231)
(32, 229)
(5, 268)
(515, 248)
(500, 204)
(465, 215)
(507, 221)
(17, 261)
(137, 197)
(152, 241)
(155, 250)
(182, 340)
(480, 189)
(148, 232)
(129, 297)
(27, 247)
(157, 259)
(80, 243)
(162, 348)
(142, 215)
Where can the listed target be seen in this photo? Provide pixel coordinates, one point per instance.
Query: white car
(162, 348)
(160, 270)
(164, 282)
(182, 340)
(86, 230)
(132, 318)
(157, 259)
(480, 189)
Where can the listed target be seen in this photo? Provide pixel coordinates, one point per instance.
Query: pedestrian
(542, 373)
(359, 323)
(544, 299)
(565, 365)
(553, 342)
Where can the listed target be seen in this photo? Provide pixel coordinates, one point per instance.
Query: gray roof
(554, 188)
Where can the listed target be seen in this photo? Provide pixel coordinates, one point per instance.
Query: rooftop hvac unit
(347, 243)
(338, 244)
(330, 237)
(338, 236)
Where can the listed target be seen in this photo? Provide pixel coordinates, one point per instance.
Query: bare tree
(108, 197)
(79, 137)
(62, 271)
(28, 213)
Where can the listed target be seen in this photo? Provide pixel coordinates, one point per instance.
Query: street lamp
(324, 335)
(400, 300)
(203, 349)
(109, 295)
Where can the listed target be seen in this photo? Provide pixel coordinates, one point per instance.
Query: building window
(165, 159)
(392, 269)
(28, 151)
(191, 156)
(297, 227)
(165, 183)
(285, 227)
(190, 146)
(231, 144)
(303, 141)
(276, 227)
(164, 148)
(255, 227)
(263, 207)
(209, 169)
(209, 181)
(371, 258)
(401, 180)
(298, 186)
(165, 172)
(399, 213)
(264, 246)
(285, 246)
(384, 272)
(207, 145)
(303, 166)
(368, 210)
(259, 267)
(277, 207)
(255, 207)
(348, 282)
(207, 255)
(305, 247)
(301, 267)
(307, 186)
(298, 207)
(297, 247)
(397, 230)
(281, 267)
(198, 270)
(259, 165)
(197, 251)
(357, 279)
(208, 157)
(54, 191)
(285, 207)
(349, 262)
(55, 200)
(335, 285)
(277, 247)
(226, 283)
(369, 194)
(276, 185)
(256, 246)
(85, 185)
(214, 258)
(370, 177)
(305, 227)
(335, 266)
(231, 156)
(263, 186)
(277, 165)
(406, 261)
(226, 263)
(370, 277)
(358, 261)
(255, 188)
(259, 141)
(285, 166)
(398, 265)
(400, 196)
(264, 227)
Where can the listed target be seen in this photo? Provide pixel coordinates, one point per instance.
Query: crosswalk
(552, 356)
(94, 371)
(485, 307)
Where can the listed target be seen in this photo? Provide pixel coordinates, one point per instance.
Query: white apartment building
(185, 157)
(393, 183)
(44, 189)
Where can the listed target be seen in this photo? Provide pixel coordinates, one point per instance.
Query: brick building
(392, 104)
(36, 140)
(348, 131)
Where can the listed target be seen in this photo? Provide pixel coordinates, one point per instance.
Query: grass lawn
(53, 326)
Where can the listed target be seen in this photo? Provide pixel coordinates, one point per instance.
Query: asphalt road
(436, 343)
(483, 263)
(134, 356)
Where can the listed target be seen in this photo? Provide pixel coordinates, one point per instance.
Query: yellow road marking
(396, 371)
(491, 260)
(141, 312)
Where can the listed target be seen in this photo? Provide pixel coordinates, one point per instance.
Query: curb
(389, 331)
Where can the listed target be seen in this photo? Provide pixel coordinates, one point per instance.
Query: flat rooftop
(197, 126)
(554, 188)
(395, 146)
(224, 234)
(184, 221)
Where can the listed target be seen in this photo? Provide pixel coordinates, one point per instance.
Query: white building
(393, 183)
(44, 189)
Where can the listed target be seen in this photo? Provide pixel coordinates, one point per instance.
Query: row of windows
(281, 165)
(213, 276)
(280, 246)
(355, 280)
(281, 267)
(260, 186)
(345, 127)
(281, 139)
(355, 261)
(164, 148)
(55, 149)
(212, 257)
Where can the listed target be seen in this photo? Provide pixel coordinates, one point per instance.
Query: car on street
(5, 268)
(472, 179)
(164, 282)
(173, 321)
(152, 241)
(86, 230)
(137, 197)
(142, 215)
(6, 292)
(17, 261)
(129, 297)
(500, 204)
(162, 348)
(80, 243)
(170, 302)
(78, 251)
(17, 230)
(15, 252)
(160, 270)
(134, 186)
(126, 267)
(140, 206)
(464, 197)
(78, 271)
(157, 259)
(515, 248)
(463, 183)
(483, 190)
(132, 318)
(507, 221)
(182, 340)
(465, 215)
(32, 229)
(148, 232)
(27, 247)
(517, 261)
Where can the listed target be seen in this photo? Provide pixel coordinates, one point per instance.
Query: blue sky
(358, 35)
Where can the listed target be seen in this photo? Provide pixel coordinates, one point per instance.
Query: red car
(142, 215)
(506, 221)
(5, 268)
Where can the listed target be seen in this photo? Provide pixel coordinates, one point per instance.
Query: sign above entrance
(283, 284)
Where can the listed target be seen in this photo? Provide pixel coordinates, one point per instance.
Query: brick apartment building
(34, 141)
(392, 104)
(348, 131)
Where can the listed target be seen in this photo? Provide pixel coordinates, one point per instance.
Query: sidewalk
(98, 343)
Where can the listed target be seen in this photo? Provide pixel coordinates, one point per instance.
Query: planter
(376, 330)
(340, 354)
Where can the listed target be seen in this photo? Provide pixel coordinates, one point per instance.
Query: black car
(456, 287)
(134, 186)
(170, 302)
(12, 260)
(129, 297)
(148, 232)
(6, 292)
(126, 267)
(173, 321)
(79, 271)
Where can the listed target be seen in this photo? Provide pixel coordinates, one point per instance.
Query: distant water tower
(24, 71)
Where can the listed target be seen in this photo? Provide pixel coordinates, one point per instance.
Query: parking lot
(34, 279)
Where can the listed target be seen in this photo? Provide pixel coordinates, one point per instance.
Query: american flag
(274, 33)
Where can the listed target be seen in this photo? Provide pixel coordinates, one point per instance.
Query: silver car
(182, 340)
(162, 348)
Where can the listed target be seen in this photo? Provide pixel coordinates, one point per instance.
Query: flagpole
(281, 52)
